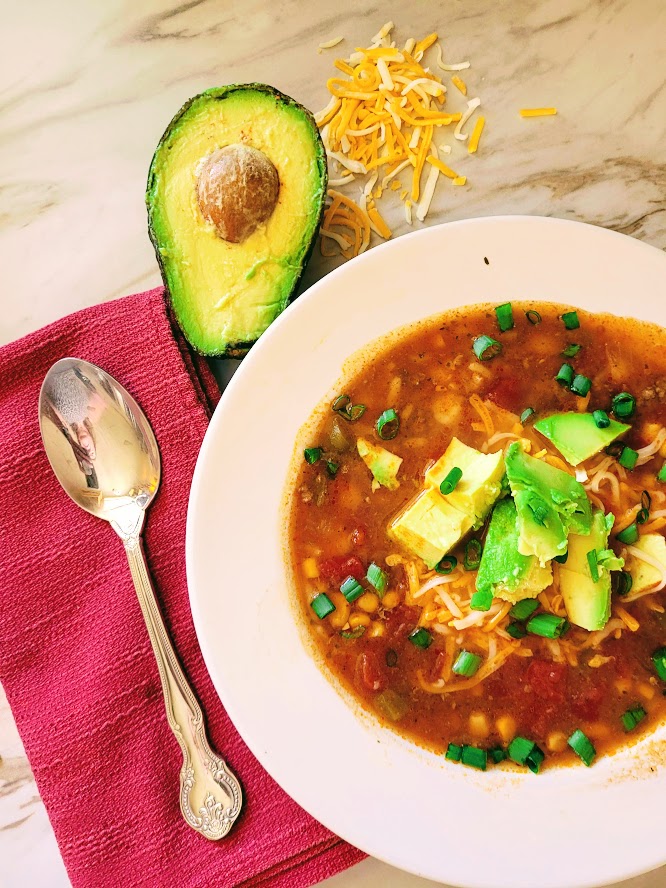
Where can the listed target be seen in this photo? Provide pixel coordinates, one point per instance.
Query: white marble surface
(86, 90)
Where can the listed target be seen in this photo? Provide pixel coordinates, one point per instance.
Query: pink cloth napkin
(75, 659)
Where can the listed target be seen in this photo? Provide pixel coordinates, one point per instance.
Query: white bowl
(567, 828)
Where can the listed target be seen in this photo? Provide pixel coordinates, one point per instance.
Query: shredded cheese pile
(383, 119)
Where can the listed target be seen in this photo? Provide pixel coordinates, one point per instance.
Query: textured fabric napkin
(75, 659)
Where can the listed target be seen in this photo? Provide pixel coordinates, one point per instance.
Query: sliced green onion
(353, 633)
(497, 754)
(633, 717)
(485, 347)
(343, 407)
(473, 552)
(561, 559)
(504, 314)
(454, 752)
(601, 419)
(351, 589)
(659, 660)
(377, 578)
(642, 516)
(446, 564)
(525, 415)
(582, 746)
(565, 375)
(646, 500)
(450, 483)
(332, 467)
(629, 535)
(623, 405)
(516, 630)
(525, 752)
(312, 454)
(420, 638)
(624, 582)
(581, 385)
(571, 350)
(388, 425)
(524, 609)
(615, 449)
(467, 664)
(628, 458)
(661, 475)
(391, 658)
(533, 317)
(481, 601)
(570, 320)
(593, 564)
(322, 605)
(474, 757)
(547, 626)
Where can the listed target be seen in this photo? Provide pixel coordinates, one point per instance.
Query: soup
(477, 534)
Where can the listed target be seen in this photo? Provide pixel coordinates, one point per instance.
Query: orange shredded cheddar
(537, 112)
(460, 84)
(476, 135)
(442, 167)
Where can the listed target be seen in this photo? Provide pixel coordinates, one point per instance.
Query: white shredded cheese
(329, 44)
(461, 66)
(472, 105)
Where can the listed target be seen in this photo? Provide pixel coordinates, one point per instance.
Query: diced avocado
(235, 197)
(577, 436)
(503, 570)
(430, 526)
(644, 575)
(481, 481)
(550, 504)
(383, 464)
(588, 603)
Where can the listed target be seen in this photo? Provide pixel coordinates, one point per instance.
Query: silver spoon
(104, 453)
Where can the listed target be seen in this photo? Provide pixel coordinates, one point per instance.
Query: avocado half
(228, 282)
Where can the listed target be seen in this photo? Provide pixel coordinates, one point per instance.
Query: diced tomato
(587, 702)
(401, 621)
(358, 536)
(368, 673)
(548, 680)
(339, 567)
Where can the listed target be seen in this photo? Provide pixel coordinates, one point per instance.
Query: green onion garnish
(624, 582)
(659, 660)
(526, 752)
(391, 658)
(646, 500)
(547, 626)
(524, 609)
(570, 320)
(351, 589)
(533, 317)
(474, 757)
(565, 375)
(582, 746)
(420, 638)
(388, 425)
(332, 467)
(593, 564)
(446, 564)
(497, 754)
(343, 407)
(322, 605)
(525, 415)
(454, 752)
(633, 717)
(629, 535)
(601, 419)
(642, 516)
(561, 559)
(353, 633)
(623, 405)
(481, 601)
(450, 483)
(661, 475)
(485, 347)
(516, 630)
(581, 385)
(504, 314)
(473, 552)
(571, 350)
(628, 458)
(466, 664)
(312, 454)
(377, 578)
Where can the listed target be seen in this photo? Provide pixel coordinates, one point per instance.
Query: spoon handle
(210, 795)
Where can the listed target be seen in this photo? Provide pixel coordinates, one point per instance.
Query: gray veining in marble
(86, 90)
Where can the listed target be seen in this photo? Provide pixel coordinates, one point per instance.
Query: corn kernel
(597, 730)
(359, 620)
(556, 742)
(340, 615)
(368, 602)
(310, 569)
(506, 727)
(478, 725)
(645, 690)
(391, 600)
(375, 629)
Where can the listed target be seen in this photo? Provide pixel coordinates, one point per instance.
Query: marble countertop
(88, 88)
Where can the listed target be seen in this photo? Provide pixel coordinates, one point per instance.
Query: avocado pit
(237, 190)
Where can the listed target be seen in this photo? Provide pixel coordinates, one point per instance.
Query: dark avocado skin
(241, 348)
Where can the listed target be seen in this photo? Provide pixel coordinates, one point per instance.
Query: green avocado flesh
(576, 435)
(550, 505)
(225, 294)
